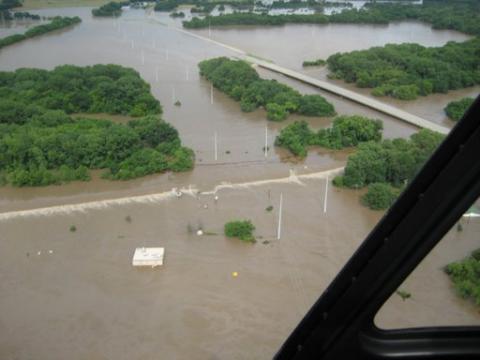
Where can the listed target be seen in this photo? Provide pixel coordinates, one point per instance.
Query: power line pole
(326, 195)
(266, 141)
(280, 209)
(215, 145)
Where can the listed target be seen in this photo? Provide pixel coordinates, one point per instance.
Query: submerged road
(337, 90)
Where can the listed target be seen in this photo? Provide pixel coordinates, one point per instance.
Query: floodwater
(321, 41)
(84, 300)
(8, 28)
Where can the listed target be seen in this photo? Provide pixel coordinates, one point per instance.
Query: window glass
(444, 290)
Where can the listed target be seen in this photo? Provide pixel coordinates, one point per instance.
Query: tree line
(251, 18)
(318, 62)
(110, 89)
(41, 144)
(386, 166)
(9, 4)
(114, 8)
(346, 131)
(56, 24)
(241, 82)
(110, 9)
(461, 15)
(406, 71)
(201, 6)
(18, 15)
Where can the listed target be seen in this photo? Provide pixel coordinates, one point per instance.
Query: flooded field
(74, 294)
(97, 305)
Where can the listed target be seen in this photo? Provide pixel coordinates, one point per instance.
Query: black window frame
(340, 325)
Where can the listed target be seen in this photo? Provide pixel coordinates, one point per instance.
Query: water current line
(160, 197)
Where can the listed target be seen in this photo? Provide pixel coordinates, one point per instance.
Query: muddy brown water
(85, 300)
(321, 41)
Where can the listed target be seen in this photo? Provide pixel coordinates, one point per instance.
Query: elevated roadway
(332, 88)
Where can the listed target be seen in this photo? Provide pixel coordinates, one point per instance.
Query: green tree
(110, 9)
(276, 112)
(315, 105)
(40, 144)
(346, 131)
(241, 82)
(465, 277)
(242, 229)
(456, 109)
(380, 196)
(296, 137)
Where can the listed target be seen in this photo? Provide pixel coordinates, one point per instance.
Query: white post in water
(173, 94)
(326, 195)
(156, 74)
(143, 57)
(266, 141)
(215, 145)
(280, 208)
(211, 94)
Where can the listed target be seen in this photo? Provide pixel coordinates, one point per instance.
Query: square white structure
(148, 256)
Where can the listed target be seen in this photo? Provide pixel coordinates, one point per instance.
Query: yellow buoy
(234, 274)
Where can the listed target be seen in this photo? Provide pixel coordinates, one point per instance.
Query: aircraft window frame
(340, 325)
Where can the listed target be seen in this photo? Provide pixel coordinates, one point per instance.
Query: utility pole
(215, 145)
(326, 195)
(280, 209)
(266, 141)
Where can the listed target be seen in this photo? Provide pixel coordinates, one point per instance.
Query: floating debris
(200, 232)
(148, 257)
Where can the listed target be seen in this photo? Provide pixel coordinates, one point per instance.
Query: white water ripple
(159, 197)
